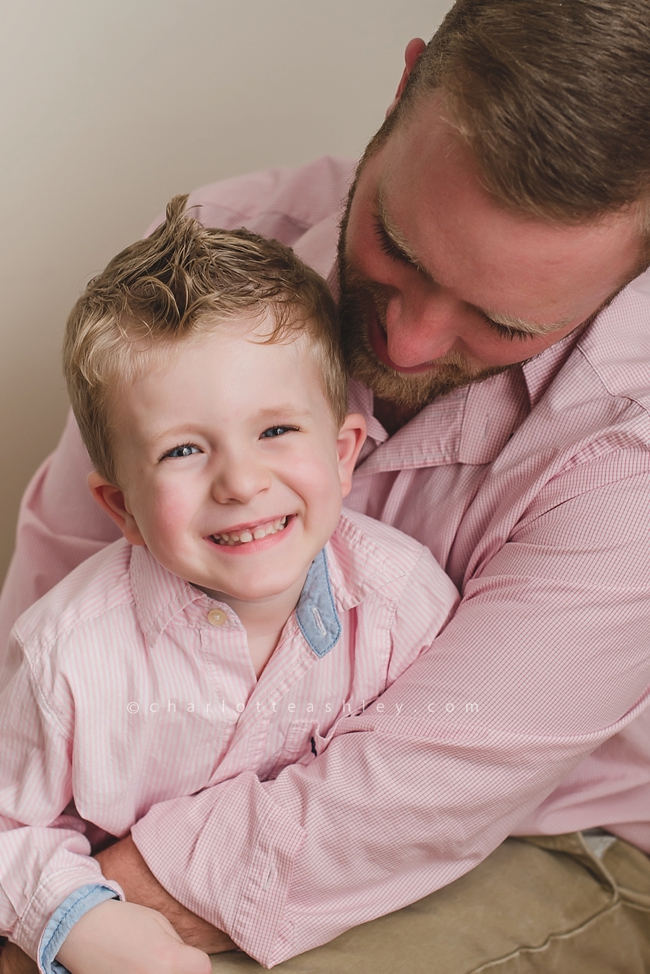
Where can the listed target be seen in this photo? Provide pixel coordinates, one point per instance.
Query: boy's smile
(231, 469)
(241, 534)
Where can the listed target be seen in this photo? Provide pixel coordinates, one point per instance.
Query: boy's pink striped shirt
(138, 688)
(532, 489)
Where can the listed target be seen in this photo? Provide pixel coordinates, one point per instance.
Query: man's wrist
(124, 864)
(13, 960)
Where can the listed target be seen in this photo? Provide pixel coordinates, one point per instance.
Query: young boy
(242, 616)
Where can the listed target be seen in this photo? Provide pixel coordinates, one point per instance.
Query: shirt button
(217, 617)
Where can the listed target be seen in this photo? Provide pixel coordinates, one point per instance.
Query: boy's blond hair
(183, 281)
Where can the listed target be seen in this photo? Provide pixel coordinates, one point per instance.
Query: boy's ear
(111, 499)
(351, 438)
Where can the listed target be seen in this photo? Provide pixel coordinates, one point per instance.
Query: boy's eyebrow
(283, 409)
(396, 237)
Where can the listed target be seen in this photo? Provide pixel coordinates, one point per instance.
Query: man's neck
(392, 416)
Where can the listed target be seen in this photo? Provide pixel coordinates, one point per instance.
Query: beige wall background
(111, 107)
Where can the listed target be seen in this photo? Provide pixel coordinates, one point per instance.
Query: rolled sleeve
(63, 920)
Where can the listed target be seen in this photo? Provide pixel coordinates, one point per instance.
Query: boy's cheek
(164, 514)
(311, 469)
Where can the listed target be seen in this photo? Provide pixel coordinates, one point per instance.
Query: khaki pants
(540, 904)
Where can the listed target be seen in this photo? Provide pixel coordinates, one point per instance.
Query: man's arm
(59, 526)
(546, 658)
(123, 864)
(13, 960)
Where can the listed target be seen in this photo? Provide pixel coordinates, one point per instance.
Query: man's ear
(111, 499)
(413, 50)
(351, 438)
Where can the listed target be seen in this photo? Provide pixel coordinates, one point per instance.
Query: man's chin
(411, 391)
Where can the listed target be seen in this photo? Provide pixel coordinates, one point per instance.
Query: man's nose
(421, 325)
(238, 478)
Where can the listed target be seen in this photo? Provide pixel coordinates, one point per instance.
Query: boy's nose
(238, 480)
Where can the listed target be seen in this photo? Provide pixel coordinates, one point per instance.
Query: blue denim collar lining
(316, 613)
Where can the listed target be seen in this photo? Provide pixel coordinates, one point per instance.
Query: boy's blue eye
(276, 431)
(182, 451)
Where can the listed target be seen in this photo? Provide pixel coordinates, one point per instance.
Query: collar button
(217, 617)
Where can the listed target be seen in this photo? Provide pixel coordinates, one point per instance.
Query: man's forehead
(431, 202)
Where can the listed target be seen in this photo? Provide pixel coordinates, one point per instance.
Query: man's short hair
(552, 96)
(183, 281)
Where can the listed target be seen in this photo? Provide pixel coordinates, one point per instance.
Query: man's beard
(412, 391)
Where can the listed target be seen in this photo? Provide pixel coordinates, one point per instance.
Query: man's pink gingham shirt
(137, 688)
(529, 713)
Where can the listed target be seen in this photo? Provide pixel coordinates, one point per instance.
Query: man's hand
(116, 936)
(123, 863)
(14, 961)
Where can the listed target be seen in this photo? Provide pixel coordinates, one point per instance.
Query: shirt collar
(345, 572)
(469, 425)
(159, 595)
(359, 565)
(316, 613)
(351, 567)
(540, 371)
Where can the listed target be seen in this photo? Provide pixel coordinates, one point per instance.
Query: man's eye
(276, 431)
(186, 450)
(505, 332)
(389, 246)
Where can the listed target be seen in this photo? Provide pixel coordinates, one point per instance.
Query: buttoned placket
(310, 633)
(224, 645)
(289, 662)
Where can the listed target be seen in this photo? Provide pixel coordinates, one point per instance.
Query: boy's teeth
(263, 531)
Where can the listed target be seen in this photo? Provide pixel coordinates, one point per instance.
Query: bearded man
(496, 801)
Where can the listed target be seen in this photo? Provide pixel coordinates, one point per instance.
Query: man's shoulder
(281, 203)
(371, 555)
(616, 347)
(358, 529)
(96, 587)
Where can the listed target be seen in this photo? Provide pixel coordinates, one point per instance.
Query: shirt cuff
(63, 920)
